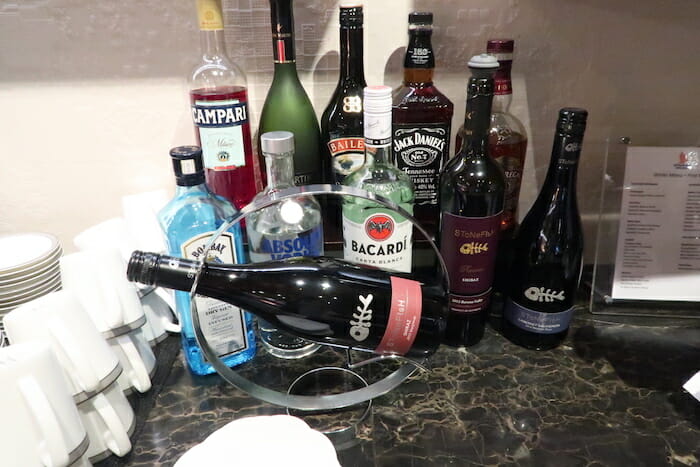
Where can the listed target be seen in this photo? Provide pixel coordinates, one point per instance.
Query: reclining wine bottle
(321, 299)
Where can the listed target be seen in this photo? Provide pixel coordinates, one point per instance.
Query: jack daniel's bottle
(422, 118)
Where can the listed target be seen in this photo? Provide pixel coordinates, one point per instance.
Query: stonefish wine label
(220, 125)
(537, 321)
(222, 324)
(383, 240)
(420, 150)
(468, 246)
(404, 317)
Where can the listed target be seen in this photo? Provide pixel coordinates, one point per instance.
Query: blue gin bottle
(189, 220)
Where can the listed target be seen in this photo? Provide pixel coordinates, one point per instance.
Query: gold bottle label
(210, 15)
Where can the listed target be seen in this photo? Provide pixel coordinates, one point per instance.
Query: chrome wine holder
(320, 402)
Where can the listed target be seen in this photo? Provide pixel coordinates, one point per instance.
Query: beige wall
(93, 93)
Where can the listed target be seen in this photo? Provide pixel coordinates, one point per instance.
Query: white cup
(40, 423)
(141, 215)
(160, 318)
(98, 279)
(109, 421)
(137, 360)
(110, 232)
(59, 319)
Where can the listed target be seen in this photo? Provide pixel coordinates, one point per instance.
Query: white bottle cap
(277, 142)
(483, 61)
(377, 99)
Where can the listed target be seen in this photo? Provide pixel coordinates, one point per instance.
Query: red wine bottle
(320, 299)
(472, 188)
(548, 246)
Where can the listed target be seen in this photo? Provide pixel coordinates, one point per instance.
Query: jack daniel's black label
(420, 149)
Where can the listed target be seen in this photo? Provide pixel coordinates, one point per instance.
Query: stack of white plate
(28, 268)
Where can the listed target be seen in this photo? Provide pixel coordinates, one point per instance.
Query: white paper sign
(658, 245)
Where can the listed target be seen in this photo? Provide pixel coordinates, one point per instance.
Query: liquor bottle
(322, 299)
(284, 230)
(188, 221)
(472, 188)
(372, 234)
(287, 107)
(507, 136)
(422, 118)
(219, 100)
(546, 267)
(341, 122)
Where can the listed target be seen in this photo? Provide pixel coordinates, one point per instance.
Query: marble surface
(609, 396)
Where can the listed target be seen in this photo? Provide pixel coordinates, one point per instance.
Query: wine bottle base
(464, 330)
(531, 340)
(283, 345)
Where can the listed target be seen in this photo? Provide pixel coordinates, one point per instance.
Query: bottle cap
(423, 18)
(351, 14)
(188, 165)
(377, 99)
(483, 61)
(572, 121)
(277, 142)
(500, 46)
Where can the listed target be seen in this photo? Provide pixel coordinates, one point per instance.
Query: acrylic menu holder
(332, 378)
(603, 299)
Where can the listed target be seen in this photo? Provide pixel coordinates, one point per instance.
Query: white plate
(29, 285)
(24, 298)
(21, 251)
(46, 264)
(6, 309)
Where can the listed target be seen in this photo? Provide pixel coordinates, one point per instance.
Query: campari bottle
(372, 234)
(189, 220)
(219, 100)
(288, 229)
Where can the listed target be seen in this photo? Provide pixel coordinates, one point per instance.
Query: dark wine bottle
(320, 299)
(472, 188)
(546, 268)
(341, 122)
(287, 106)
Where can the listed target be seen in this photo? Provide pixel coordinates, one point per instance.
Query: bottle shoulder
(407, 96)
(203, 208)
(211, 73)
(506, 128)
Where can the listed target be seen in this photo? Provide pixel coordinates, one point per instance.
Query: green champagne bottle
(287, 106)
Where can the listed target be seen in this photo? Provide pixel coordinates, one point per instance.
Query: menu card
(658, 245)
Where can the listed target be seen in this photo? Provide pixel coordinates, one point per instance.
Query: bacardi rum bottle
(372, 234)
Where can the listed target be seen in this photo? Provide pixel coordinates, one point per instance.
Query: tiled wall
(93, 93)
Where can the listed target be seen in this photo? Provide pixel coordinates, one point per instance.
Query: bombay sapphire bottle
(284, 230)
(188, 221)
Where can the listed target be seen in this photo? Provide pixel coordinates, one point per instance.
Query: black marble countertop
(611, 395)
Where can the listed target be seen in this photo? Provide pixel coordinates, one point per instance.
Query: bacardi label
(382, 240)
(468, 246)
(220, 126)
(222, 324)
(420, 150)
(347, 154)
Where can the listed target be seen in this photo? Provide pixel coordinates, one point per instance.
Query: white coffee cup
(40, 423)
(59, 319)
(109, 421)
(160, 318)
(137, 360)
(98, 278)
(110, 232)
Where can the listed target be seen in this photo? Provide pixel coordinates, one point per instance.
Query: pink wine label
(404, 317)
(469, 246)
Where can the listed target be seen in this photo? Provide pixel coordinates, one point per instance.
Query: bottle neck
(477, 118)
(280, 171)
(351, 54)
(503, 88)
(212, 45)
(282, 20)
(183, 189)
(419, 63)
(377, 128)
(563, 166)
(211, 29)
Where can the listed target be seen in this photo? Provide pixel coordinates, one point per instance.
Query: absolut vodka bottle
(372, 234)
(188, 221)
(284, 230)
